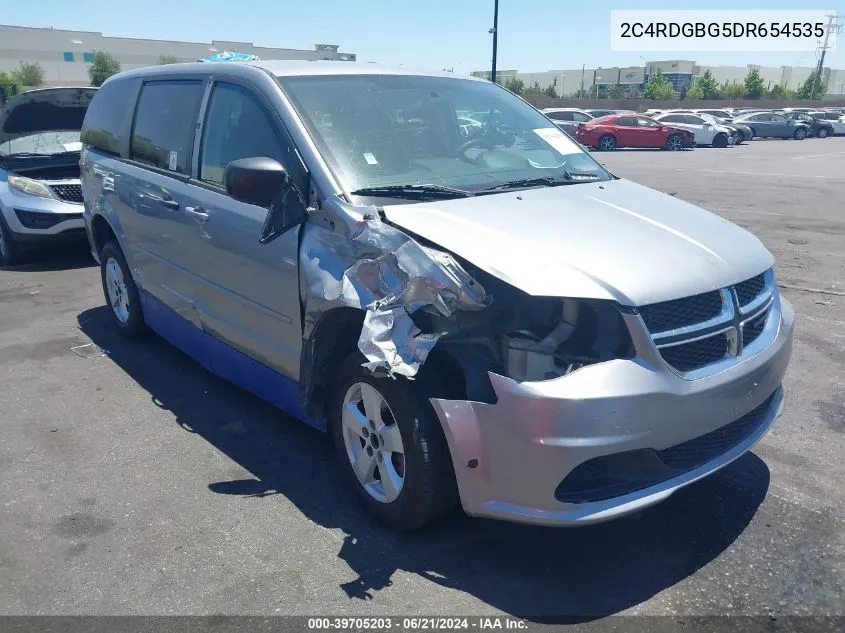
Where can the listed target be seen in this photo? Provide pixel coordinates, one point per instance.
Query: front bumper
(32, 220)
(511, 456)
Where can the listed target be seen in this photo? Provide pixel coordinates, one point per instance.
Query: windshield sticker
(370, 158)
(558, 140)
(172, 160)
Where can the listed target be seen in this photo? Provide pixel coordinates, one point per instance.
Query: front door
(248, 293)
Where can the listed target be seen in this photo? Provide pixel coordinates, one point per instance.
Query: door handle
(170, 203)
(198, 212)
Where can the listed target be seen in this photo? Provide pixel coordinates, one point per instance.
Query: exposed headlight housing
(29, 186)
(562, 335)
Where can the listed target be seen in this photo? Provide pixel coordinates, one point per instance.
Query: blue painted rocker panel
(226, 362)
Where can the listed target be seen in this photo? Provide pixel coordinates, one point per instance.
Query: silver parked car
(494, 320)
(40, 192)
(568, 119)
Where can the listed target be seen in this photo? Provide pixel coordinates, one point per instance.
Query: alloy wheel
(118, 293)
(674, 143)
(373, 442)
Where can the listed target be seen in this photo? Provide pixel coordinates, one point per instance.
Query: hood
(613, 240)
(45, 110)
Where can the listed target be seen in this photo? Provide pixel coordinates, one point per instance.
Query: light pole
(598, 79)
(495, 32)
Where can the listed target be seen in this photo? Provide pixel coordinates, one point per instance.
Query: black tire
(823, 132)
(607, 143)
(429, 490)
(674, 142)
(10, 252)
(738, 138)
(134, 327)
(720, 140)
(800, 134)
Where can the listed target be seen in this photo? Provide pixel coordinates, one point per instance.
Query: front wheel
(720, 140)
(674, 143)
(800, 134)
(120, 292)
(607, 143)
(392, 446)
(823, 132)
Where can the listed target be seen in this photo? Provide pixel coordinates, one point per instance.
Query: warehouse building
(680, 73)
(66, 55)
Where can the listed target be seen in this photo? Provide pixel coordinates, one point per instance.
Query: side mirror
(265, 183)
(255, 180)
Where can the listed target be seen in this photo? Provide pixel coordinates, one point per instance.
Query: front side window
(778, 118)
(400, 130)
(164, 124)
(236, 126)
(581, 117)
(672, 118)
(643, 122)
(626, 121)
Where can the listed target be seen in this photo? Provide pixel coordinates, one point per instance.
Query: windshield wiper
(568, 179)
(414, 192)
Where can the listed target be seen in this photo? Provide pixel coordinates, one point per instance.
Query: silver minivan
(478, 314)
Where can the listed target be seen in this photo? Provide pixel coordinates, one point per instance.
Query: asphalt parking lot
(134, 482)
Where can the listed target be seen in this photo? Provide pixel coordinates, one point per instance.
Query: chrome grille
(688, 356)
(697, 332)
(750, 289)
(68, 193)
(754, 328)
(670, 315)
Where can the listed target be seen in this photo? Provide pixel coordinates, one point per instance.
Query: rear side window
(672, 118)
(164, 124)
(101, 128)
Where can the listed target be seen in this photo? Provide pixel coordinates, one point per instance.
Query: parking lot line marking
(757, 173)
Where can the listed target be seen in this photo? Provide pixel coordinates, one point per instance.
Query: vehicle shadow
(541, 574)
(65, 257)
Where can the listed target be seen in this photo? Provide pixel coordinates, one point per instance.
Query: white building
(680, 72)
(65, 55)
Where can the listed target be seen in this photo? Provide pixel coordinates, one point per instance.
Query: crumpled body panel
(378, 268)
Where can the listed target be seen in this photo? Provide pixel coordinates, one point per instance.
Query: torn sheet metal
(378, 268)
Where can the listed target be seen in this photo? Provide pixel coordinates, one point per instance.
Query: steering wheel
(478, 141)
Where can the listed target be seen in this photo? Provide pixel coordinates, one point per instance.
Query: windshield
(378, 131)
(43, 143)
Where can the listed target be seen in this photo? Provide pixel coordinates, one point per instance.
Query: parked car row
(678, 128)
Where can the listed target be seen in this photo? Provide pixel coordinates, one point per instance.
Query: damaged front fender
(362, 262)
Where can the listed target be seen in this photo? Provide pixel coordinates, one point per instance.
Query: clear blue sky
(534, 35)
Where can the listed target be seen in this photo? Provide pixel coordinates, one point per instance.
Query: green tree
(733, 90)
(533, 91)
(658, 87)
(516, 86)
(777, 92)
(550, 91)
(754, 86)
(616, 92)
(167, 59)
(580, 94)
(695, 94)
(103, 65)
(805, 91)
(708, 86)
(28, 74)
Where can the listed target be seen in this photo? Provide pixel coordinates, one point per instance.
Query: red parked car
(632, 130)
